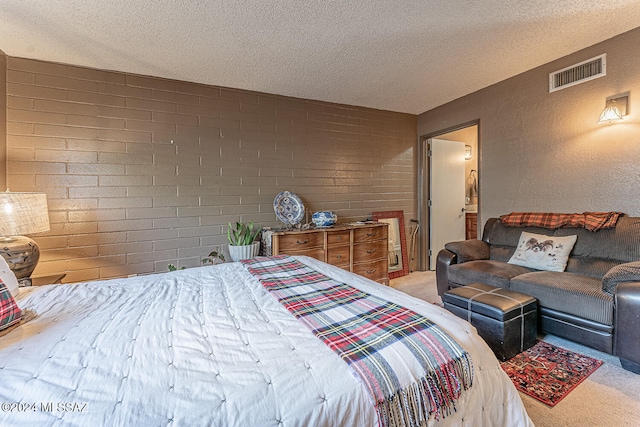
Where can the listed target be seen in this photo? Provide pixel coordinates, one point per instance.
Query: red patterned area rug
(548, 373)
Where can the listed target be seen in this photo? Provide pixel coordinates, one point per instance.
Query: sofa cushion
(569, 293)
(497, 234)
(621, 243)
(501, 253)
(627, 272)
(543, 252)
(469, 250)
(495, 273)
(594, 267)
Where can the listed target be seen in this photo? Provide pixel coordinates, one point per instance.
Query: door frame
(422, 186)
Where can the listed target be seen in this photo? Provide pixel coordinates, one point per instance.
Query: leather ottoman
(506, 320)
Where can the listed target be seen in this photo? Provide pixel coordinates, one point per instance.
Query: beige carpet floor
(609, 397)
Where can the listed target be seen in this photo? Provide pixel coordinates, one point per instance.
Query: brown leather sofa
(573, 303)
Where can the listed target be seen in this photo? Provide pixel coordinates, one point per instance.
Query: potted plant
(242, 244)
(213, 258)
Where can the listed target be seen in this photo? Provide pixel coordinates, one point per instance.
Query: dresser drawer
(317, 253)
(339, 256)
(338, 237)
(298, 241)
(376, 270)
(370, 251)
(361, 249)
(369, 234)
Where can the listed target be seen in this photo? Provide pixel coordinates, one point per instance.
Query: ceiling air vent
(578, 73)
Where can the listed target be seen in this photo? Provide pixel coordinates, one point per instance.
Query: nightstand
(42, 280)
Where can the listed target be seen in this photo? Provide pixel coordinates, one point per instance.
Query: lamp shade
(23, 213)
(611, 112)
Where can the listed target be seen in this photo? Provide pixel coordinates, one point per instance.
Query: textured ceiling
(407, 56)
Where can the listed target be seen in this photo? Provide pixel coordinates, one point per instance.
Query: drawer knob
(302, 242)
(338, 256)
(370, 251)
(371, 271)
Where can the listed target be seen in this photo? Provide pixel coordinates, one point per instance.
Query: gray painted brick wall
(141, 171)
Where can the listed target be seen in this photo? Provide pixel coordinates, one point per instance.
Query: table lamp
(22, 213)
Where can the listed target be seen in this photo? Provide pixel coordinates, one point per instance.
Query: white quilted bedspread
(204, 346)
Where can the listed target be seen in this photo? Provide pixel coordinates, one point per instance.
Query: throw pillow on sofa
(543, 252)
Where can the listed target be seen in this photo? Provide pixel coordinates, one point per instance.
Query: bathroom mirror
(398, 260)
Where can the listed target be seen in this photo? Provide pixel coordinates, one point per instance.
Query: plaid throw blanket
(592, 221)
(411, 368)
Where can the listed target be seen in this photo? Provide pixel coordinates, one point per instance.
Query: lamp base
(21, 253)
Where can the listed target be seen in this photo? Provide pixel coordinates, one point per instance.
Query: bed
(206, 346)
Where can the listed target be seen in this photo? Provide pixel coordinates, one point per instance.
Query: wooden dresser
(361, 249)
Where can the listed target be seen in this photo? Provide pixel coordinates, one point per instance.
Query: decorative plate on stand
(288, 208)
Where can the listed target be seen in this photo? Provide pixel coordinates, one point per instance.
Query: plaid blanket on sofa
(592, 221)
(411, 367)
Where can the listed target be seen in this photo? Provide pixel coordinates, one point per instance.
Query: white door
(446, 195)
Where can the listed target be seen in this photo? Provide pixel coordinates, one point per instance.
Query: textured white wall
(544, 151)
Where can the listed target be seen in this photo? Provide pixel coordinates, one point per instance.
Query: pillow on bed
(7, 276)
(10, 313)
(543, 252)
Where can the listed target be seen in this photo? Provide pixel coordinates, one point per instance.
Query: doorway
(467, 133)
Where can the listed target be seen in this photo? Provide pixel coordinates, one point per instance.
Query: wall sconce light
(22, 213)
(614, 109)
(467, 152)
